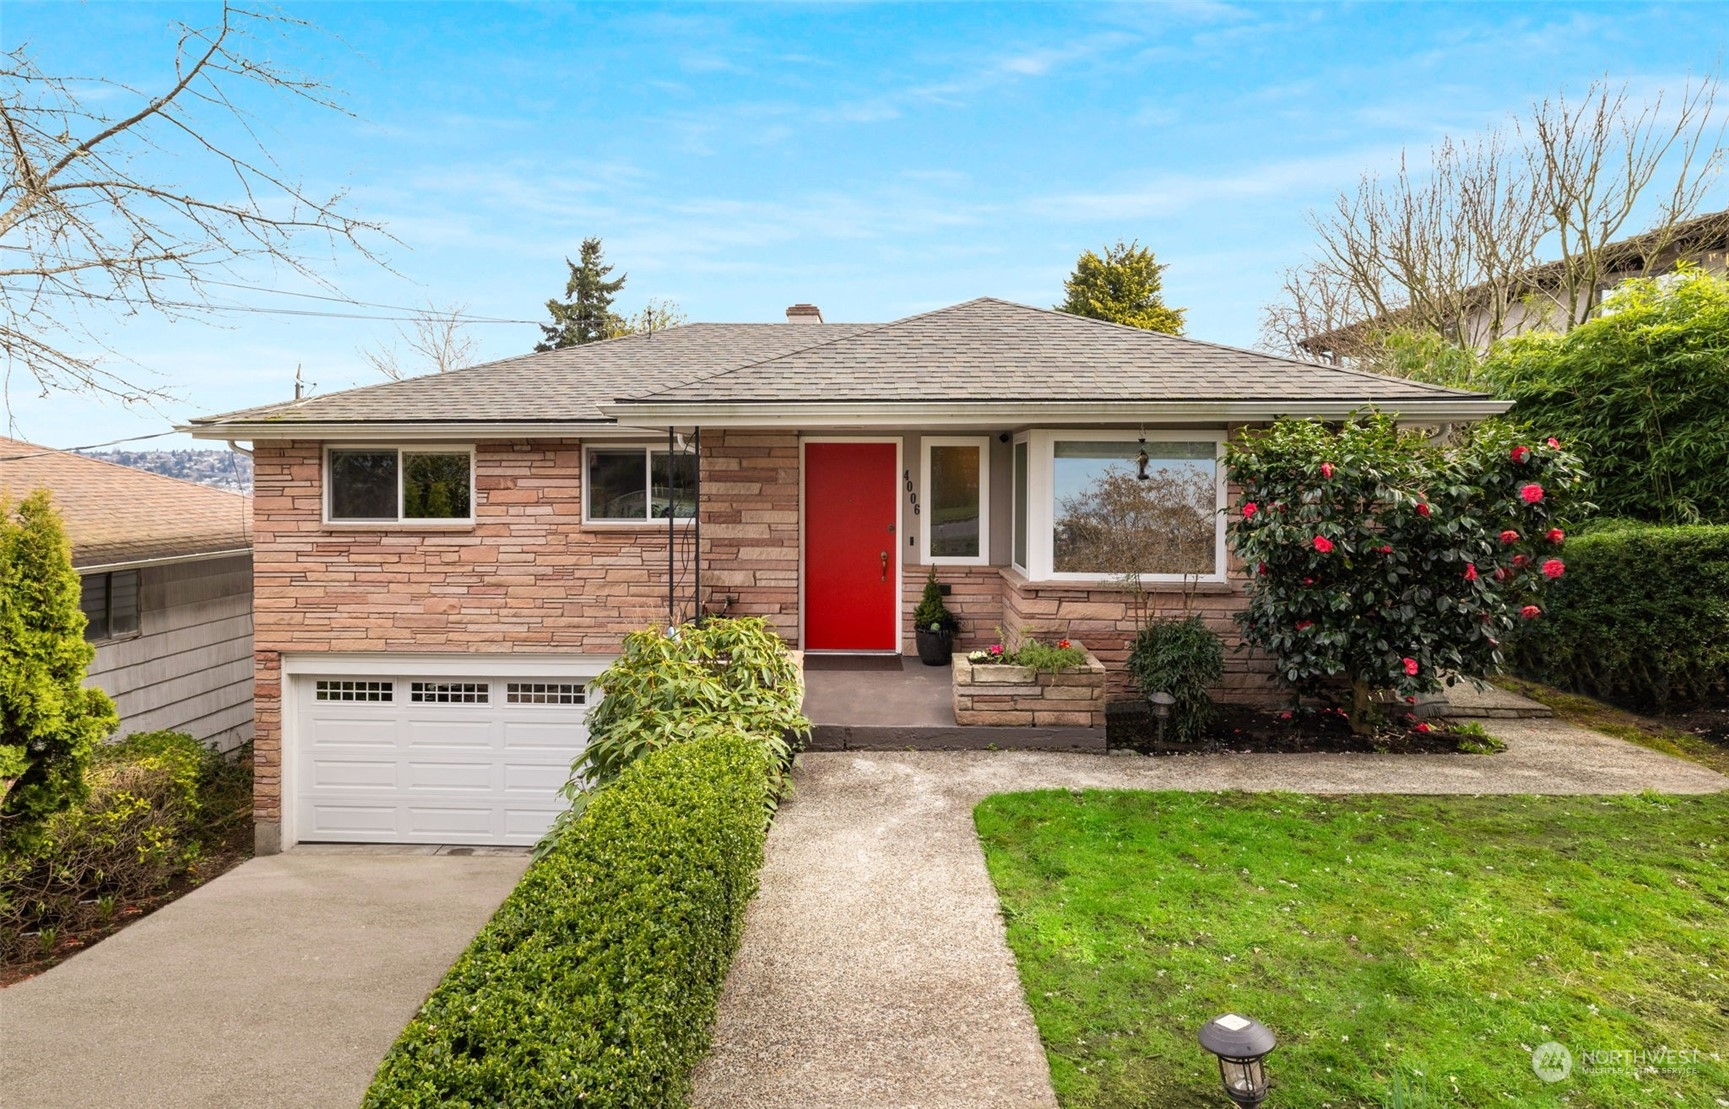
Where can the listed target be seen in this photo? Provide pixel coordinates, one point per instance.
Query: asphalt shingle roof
(114, 513)
(994, 350)
(558, 385)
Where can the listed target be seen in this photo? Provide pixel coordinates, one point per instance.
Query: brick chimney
(804, 313)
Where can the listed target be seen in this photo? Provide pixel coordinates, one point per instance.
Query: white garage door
(406, 759)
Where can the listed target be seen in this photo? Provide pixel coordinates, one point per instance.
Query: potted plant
(934, 625)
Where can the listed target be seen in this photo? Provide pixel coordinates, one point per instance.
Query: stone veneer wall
(975, 597)
(750, 526)
(1016, 696)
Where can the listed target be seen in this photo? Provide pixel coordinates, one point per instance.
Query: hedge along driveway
(875, 969)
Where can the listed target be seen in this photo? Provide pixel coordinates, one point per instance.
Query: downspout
(696, 521)
(671, 534)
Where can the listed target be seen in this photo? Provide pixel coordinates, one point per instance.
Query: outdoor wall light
(1241, 1044)
(1161, 702)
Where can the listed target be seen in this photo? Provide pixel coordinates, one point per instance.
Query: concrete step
(1465, 702)
(952, 737)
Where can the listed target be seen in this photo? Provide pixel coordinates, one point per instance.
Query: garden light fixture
(1161, 702)
(1240, 1044)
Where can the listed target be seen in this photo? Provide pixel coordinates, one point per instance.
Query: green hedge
(1641, 617)
(596, 982)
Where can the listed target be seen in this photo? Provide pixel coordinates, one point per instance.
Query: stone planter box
(1018, 696)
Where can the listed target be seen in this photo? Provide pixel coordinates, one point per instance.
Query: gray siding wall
(189, 668)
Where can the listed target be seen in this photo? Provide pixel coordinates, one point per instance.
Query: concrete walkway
(875, 970)
(281, 983)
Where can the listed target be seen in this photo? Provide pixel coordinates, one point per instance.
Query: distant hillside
(222, 469)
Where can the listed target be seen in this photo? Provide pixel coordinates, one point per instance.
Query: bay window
(1103, 505)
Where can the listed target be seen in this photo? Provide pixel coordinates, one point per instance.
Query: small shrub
(1642, 618)
(136, 828)
(932, 614)
(596, 981)
(730, 677)
(1183, 658)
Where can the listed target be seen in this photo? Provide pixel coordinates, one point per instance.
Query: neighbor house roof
(116, 515)
(983, 361)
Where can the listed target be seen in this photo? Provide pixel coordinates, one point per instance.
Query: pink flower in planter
(1554, 568)
(996, 650)
(1555, 535)
(1422, 509)
(1530, 612)
(1410, 666)
(1063, 644)
(1531, 493)
(1327, 470)
(1249, 509)
(1521, 454)
(1470, 571)
(1554, 444)
(1323, 544)
(1509, 536)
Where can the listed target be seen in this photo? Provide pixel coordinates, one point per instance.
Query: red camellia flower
(1509, 536)
(1470, 571)
(1305, 625)
(1520, 560)
(1284, 716)
(1500, 573)
(1308, 581)
(1249, 509)
(1424, 728)
(1531, 493)
(1530, 612)
(1554, 444)
(1422, 509)
(1323, 544)
(1263, 568)
(1554, 568)
(1520, 454)
(1388, 549)
(1555, 535)
(1410, 666)
(1327, 470)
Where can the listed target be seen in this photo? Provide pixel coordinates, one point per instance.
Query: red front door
(851, 547)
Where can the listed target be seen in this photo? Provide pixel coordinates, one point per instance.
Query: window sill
(107, 640)
(1203, 587)
(632, 525)
(399, 525)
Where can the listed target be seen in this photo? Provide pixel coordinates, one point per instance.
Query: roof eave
(401, 431)
(1444, 409)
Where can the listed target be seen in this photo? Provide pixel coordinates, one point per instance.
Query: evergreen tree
(1122, 287)
(49, 723)
(586, 315)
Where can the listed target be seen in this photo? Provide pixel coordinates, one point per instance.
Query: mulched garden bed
(1130, 725)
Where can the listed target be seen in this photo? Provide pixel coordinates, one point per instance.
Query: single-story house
(443, 563)
(166, 569)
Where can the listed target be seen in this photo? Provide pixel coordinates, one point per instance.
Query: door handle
(885, 556)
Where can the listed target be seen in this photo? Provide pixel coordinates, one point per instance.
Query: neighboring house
(443, 563)
(166, 568)
(1540, 305)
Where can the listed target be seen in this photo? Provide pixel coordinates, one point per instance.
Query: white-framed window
(1095, 505)
(955, 501)
(432, 484)
(638, 484)
(110, 602)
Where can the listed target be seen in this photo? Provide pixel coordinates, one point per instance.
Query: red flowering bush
(1409, 561)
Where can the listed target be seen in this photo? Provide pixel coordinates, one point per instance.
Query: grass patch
(1587, 712)
(1411, 943)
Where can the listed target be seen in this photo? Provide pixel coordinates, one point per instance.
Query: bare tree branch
(437, 341)
(88, 231)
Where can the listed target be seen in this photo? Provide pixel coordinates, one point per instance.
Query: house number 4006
(911, 494)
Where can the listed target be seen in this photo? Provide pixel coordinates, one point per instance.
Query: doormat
(852, 662)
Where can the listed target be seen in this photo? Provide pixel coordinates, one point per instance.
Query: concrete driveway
(281, 983)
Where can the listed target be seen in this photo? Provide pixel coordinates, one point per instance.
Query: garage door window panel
(450, 693)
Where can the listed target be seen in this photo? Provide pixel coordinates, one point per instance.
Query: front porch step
(1465, 702)
(952, 737)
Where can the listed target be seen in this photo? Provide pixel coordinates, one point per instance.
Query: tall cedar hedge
(1642, 617)
(597, 980)
(1641, 392)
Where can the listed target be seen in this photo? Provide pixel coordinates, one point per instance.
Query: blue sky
(874, 160)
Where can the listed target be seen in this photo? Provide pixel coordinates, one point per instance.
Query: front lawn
(1430, 942)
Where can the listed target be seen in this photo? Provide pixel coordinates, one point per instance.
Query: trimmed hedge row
(596, 981)
(1641, 617)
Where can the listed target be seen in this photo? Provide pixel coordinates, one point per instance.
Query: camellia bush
(1382, 561)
